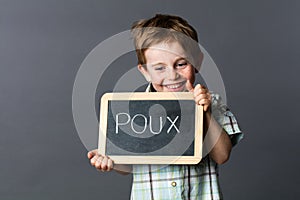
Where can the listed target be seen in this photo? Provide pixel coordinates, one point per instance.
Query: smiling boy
(169, 57)
(168, 72)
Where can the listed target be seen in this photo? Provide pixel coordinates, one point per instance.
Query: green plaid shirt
(174, 182)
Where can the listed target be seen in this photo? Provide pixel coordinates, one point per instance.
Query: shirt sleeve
(226, 119)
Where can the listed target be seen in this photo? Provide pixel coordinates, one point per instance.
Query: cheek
(192, 78)
(189, 74)
(158, 87)
(157, 78)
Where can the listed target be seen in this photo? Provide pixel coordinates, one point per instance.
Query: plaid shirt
(174, 182)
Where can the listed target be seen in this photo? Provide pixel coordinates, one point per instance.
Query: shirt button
(173, 184)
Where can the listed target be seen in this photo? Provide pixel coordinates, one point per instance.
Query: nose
(172, 74)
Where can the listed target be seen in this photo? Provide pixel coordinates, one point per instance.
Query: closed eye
(180, 65)
(159, 68)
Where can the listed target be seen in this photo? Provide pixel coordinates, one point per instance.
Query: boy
(168, 57)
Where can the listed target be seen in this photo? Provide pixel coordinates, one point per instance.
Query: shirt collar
(150, 88)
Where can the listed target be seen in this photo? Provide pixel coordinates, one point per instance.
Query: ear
(199, 62)
(145, 72)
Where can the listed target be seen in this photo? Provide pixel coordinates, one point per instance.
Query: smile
(175, 86)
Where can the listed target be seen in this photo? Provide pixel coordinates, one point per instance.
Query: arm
(216, 135)
(104, 163)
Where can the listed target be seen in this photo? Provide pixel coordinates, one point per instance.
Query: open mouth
(176, 86)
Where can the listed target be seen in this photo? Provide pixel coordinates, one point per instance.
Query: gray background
(255, 44)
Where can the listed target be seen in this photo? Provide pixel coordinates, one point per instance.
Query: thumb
(92, 153)
(189, 86)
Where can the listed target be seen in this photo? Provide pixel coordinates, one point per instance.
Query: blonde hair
(164, 28)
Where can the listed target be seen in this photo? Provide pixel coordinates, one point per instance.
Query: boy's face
(167, 67)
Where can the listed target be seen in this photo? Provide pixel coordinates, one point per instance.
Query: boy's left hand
(201, 95)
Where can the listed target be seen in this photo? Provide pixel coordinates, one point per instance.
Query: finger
(104, 163)
(201, 88)
(205, 108)
(197, 87)
(189, 86)
(99, 162)
(110, 165)
(92, 153)
(205, 103)
(201, 96)
(89, 155)
(201, 92)
(94, 159)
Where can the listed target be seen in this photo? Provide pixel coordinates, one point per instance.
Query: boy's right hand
(100, 162)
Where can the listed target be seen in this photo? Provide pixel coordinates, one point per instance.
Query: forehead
(165, 50)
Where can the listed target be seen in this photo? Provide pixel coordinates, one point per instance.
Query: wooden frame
(136, 159)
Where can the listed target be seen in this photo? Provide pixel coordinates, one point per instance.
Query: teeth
(174, 86)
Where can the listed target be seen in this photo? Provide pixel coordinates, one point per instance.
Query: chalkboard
(151, 128)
